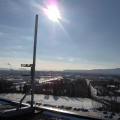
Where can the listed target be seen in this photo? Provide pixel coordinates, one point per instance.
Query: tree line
(65, 87)
(8, 87)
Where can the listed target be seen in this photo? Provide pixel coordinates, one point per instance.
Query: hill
(115, 71)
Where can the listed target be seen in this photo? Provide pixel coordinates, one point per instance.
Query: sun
(52, 12)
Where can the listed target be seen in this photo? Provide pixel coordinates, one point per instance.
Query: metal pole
(34, 60)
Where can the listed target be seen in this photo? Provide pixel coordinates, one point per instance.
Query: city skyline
(87, 36)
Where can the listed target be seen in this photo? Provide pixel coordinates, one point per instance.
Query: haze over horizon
(87, 36)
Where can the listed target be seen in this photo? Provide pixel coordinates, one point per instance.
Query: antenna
(34, 60)
(32, 66)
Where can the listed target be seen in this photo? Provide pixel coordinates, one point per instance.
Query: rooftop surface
(53, 102)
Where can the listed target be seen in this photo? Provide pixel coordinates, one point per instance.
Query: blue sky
(88, 36)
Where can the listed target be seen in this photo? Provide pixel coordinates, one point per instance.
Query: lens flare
(52, 11)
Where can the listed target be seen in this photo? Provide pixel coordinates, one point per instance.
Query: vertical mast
(34, 60)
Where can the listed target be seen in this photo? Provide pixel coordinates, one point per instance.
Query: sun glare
(52, 12)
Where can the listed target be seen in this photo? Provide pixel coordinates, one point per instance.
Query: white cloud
(29, 38)
(36, 5)
(60, 58)
(52, 65)
(49, 65)
(41, 64)
(13, 6)
(1, 33)
(71, 60)
(13, 47)
(85, 60)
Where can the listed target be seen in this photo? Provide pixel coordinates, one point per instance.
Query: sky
(86, 37)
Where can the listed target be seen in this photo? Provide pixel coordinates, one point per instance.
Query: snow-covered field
(55, 100)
